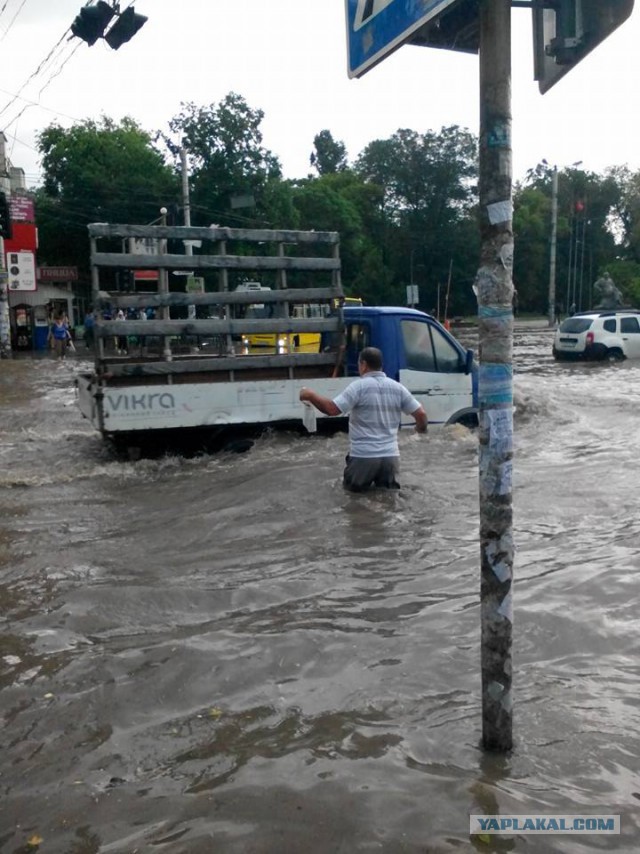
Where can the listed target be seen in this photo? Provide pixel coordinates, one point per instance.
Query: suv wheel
(614, 355)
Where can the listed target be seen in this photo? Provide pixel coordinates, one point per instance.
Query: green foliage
(626, 276)
(329, 156)
(428, 186)
(342, 202)
(531, 225)
(227, 161)
(406, 211)
(626, 208)
(97, 172)
(585, 240)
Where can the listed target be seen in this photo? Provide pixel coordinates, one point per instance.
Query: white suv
(599, 335)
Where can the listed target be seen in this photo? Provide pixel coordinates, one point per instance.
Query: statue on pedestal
(610, 295)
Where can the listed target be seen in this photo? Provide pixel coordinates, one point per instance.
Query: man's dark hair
(372, 357)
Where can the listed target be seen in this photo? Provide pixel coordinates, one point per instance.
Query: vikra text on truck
(188, 373)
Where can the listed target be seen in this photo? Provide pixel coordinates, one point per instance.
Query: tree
(329, 155)
(531, 230)
(428, 183)
(342, 202)
(97, 172)
(228, 161)
(626, 212)
(586, 241)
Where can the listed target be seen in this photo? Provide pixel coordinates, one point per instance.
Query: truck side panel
(151, 407)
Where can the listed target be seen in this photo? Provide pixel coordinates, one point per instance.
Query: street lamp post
(552, 252)
(163, 288)
(554, 241)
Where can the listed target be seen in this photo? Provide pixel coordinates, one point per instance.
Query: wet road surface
(228, 653)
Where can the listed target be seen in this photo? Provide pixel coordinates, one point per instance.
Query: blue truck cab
(419, 353)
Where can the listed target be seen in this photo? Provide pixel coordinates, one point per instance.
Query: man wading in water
(375, 404)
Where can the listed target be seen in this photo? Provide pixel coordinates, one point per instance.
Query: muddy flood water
(228, 653)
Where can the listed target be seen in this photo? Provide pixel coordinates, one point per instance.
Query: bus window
(335, 304)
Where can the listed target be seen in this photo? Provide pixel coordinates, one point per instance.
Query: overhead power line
(38, 104)
(127, 24)
(34, 74)
(11, 23)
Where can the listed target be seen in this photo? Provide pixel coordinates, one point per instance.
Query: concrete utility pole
(554, 241)
(186, 204)
(495, 387)
(163, 288)
(5, 326)
(186, 207)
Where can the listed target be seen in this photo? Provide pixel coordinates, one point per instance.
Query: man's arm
(420, 417)
(324, 404)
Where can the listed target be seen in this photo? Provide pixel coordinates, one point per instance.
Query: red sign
(57, 274)
(24, 237)
(22, 209)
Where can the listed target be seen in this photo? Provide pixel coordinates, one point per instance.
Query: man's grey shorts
(364, 472)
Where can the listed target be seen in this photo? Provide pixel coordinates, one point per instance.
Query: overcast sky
(289, 59)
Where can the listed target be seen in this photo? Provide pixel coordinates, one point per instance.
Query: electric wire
(42, 107)
(34, 74)
(50, 57)
(11, 23)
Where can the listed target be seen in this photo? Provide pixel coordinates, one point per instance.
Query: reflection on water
(230, 653)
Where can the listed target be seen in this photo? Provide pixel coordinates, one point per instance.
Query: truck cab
(419, 353)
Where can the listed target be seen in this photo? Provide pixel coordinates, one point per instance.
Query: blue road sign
(375, 28)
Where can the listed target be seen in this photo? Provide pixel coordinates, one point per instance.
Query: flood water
(228, 653)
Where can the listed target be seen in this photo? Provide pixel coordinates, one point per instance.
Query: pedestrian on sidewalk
(59, 336)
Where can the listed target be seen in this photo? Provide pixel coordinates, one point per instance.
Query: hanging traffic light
(125, 28)
(92, 21)
(5, 217)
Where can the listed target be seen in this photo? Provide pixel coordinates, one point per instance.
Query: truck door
(434, 369)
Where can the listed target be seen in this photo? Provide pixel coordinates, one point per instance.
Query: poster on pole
(413, 296)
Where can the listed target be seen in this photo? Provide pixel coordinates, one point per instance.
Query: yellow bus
(298, 342)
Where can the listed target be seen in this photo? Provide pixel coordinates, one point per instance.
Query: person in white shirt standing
(375, 404)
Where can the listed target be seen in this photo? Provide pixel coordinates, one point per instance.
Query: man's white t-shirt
(375, 404)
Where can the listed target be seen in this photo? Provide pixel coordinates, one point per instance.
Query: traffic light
(124, 28)
(565, 31)
(92, 22)
(126, 280)
(5, 217)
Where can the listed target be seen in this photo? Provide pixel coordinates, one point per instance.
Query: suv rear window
(629, 325)
(576, 324)
(609, 325)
